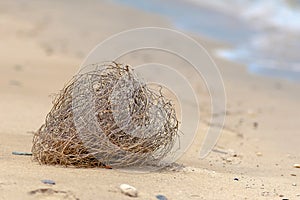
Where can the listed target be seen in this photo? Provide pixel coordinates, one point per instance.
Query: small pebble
(259, 154)
(236, 179)
(161, 197)
(293, 175)
(294, 184)
(48, 182)
(129, 190)
(21, 153)
(296, 165)
(255, 124)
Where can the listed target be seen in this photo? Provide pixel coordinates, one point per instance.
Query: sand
(42, 45)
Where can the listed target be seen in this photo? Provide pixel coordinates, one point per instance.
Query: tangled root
(107, 117)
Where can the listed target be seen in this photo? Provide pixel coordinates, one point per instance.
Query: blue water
(265, 34)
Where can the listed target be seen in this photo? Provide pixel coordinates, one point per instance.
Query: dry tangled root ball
(106, 116)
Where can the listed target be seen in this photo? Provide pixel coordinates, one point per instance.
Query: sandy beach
(42, 45)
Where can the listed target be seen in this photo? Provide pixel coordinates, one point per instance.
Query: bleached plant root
(107, 117)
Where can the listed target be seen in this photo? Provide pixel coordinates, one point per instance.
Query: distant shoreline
(251, 41)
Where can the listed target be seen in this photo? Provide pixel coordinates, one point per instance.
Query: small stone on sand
(259, 153)
(296, 165)
(49, 182)
(21, 153)
(129, 190)
(255, 124)
(161, 197)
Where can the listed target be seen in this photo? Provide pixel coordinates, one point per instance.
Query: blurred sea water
(264, 34)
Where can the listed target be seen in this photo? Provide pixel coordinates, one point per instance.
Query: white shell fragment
(296, 165)
(129, 190)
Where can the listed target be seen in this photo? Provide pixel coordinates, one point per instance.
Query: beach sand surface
(43, 43)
